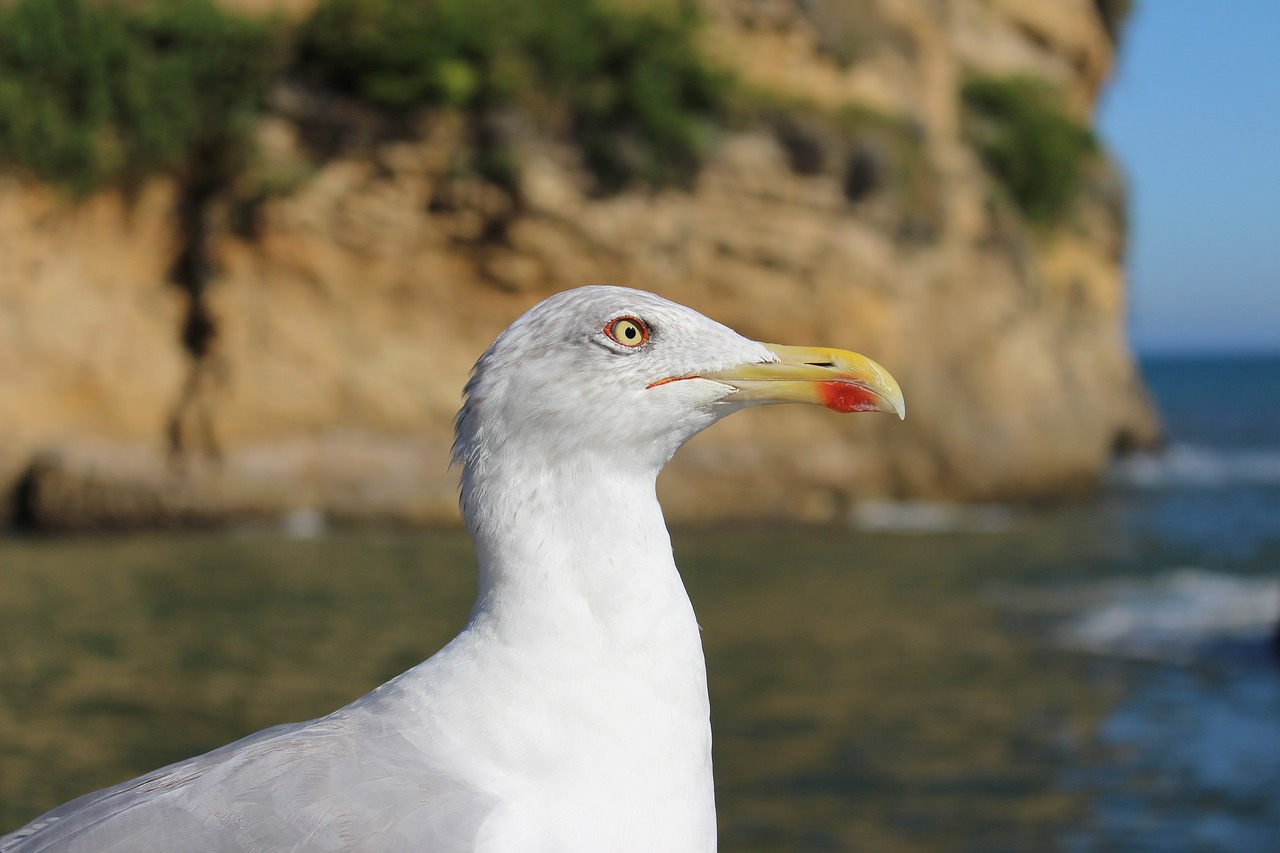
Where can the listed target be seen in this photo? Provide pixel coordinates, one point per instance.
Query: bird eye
(628, 331)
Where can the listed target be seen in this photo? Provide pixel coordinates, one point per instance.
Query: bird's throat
(577, 554)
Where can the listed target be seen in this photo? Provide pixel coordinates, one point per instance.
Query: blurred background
(250, 249)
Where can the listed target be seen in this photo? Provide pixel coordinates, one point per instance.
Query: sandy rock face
(345, 325)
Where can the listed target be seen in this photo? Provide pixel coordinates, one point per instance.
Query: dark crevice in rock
(190, 428)
(25, 501)
(805, 147)
(28, 502)
(864, 174)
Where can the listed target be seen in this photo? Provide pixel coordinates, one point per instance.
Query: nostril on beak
(819, 364)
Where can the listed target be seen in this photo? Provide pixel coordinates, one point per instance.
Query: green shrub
(627, 86)
(101, 92)
(94, 92)
(1036, 151)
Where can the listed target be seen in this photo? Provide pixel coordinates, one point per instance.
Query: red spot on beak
(846, 397)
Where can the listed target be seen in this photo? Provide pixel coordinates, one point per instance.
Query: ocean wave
(929, 517)
(1194, 466)
(1174, 616)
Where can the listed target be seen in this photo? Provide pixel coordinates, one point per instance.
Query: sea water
(1095, 677)
(1192, 749)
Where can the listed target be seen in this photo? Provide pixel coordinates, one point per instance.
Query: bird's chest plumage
(624, 769)
(599, 744)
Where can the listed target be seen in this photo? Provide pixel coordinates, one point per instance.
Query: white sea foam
(1173, 615)
(1193, 466)
(928, 517)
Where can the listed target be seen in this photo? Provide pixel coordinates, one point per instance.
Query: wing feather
(348, 781)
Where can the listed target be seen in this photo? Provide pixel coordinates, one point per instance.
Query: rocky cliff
(320, 362)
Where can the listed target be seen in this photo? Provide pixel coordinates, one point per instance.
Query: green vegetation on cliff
(96, 93)
(1036, 151)
(628, 87)
(99, 93)
(110, 92)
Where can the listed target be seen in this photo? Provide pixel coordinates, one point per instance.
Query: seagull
(571, 712)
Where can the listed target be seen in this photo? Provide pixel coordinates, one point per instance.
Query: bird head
(625, 373)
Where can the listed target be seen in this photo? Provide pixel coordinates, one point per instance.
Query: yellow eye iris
(628, 331)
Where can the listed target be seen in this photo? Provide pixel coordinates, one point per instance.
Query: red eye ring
(627, 331)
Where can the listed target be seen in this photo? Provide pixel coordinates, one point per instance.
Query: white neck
(582, 613)
(585, 540)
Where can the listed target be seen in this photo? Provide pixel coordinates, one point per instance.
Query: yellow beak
(838, 379)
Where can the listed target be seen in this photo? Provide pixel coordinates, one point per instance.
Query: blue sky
(1193, 113)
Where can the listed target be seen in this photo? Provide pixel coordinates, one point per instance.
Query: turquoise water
(1091, 678)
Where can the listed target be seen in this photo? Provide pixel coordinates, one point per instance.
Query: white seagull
(571, 713)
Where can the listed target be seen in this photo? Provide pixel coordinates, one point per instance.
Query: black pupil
(629, 331)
